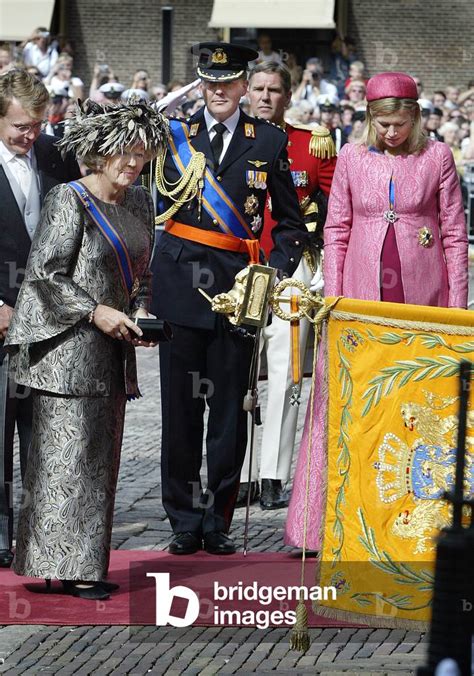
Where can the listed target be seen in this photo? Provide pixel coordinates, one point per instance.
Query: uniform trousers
(199, 367)
(280, 418)
(15, 410)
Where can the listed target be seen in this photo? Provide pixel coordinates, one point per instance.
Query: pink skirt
(316, 500)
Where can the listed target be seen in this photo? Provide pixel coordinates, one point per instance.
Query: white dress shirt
(19, 166)
(231, 124)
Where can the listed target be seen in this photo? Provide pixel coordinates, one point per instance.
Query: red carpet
(139, 596)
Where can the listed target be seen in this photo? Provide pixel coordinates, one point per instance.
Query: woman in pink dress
(395, 231)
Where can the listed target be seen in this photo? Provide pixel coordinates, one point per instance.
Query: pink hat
(391, 85)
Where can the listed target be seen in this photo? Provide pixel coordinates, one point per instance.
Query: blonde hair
(30, 92)
(416, 140)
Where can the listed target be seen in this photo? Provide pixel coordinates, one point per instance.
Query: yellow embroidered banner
(392, 374)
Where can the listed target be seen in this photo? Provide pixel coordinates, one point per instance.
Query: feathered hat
(99, 129)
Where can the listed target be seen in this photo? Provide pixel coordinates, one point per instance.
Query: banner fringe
(377, 622)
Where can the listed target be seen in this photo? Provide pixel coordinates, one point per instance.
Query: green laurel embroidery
(344, 457)
(405, 370)
(428, 340)
(398, 571)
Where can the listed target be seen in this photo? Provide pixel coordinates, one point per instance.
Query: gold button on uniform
(219, 178)
(214, 222)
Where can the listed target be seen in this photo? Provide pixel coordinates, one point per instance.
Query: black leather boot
(273, 496)
(243, 491)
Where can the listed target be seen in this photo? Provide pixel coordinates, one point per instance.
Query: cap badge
(219, 56)
(251, 205)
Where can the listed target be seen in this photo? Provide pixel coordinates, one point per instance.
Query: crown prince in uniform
(220, 167)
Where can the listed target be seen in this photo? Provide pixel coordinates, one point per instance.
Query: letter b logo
(164, 599)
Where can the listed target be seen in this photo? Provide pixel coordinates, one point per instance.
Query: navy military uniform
(208, 360)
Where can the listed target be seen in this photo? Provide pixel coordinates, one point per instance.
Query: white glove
(317, 283)
(171, 101)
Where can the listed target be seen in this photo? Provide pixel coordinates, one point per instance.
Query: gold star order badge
(425, 237)
(251, 205)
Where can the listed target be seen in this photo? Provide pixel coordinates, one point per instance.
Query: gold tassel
(321, 144)
(299, 639)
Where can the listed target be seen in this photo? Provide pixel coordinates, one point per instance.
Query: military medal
(251, 205)
(256, 179)
(300, 178)
(391, 215)
(249, 130)
(425, 237)
(256, 223)
(194, 129)
(295, 397)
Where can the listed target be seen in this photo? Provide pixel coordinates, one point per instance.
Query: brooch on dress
(425, 237)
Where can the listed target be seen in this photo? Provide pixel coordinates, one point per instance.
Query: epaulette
(321, 144)
(274, 124)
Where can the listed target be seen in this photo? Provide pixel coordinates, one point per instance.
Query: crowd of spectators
(333, 96)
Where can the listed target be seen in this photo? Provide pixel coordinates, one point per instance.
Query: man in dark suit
(30, 166)
(210, 236)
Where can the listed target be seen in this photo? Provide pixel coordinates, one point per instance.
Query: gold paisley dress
(80, 379)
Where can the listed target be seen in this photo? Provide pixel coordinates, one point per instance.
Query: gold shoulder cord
(186, 188)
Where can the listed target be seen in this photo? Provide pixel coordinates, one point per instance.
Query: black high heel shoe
(37, 589)
(96, 591)
(92, 592)
(108, 586)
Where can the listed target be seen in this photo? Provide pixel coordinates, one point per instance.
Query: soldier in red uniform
(312, 161)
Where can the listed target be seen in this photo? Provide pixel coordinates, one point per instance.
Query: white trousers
(280, 417)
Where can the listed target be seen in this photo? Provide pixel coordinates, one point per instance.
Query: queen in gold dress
(72, 340)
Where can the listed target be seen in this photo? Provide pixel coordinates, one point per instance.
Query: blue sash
(109, 232)
(215, 200)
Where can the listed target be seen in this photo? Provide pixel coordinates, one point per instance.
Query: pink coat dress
(427, 195)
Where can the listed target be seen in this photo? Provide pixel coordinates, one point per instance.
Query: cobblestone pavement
(140, 523)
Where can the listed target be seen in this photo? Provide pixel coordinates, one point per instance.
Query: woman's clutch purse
(154, 330)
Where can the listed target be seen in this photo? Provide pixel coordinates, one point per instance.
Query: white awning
(19, 18)
(273, 14)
